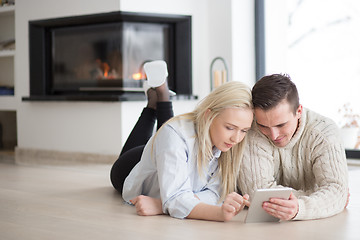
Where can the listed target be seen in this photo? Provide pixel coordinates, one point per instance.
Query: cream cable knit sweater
(313, 164)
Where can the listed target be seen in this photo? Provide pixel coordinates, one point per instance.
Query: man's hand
(147, 206)
(233, 204)
(282, 208)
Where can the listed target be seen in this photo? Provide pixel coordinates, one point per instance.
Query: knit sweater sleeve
(327, 195)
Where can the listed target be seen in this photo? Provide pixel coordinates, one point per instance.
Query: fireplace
(100, 57)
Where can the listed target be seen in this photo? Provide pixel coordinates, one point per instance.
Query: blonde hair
(229, 95)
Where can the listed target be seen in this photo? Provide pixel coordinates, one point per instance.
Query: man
(292, 146)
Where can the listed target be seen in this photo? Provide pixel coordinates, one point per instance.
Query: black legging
(139, 136)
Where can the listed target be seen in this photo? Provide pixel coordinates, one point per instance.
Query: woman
(189, 167)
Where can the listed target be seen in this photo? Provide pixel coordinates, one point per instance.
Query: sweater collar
(299, 131)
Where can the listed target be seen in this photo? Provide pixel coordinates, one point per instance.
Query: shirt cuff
(181, 205)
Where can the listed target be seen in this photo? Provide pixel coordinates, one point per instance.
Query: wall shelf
(7, 58)
(8, 103)
(7, 10)
(7, 53)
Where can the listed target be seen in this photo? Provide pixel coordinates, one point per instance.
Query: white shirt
(168, 170)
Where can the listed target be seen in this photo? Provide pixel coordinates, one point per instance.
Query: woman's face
(230, 127)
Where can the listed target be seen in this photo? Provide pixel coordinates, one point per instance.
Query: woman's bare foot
(147, 206)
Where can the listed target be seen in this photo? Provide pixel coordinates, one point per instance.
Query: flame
(106, 68)
(137, 76)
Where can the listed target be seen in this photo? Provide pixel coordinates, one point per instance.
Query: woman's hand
(147, 206)
(233, 204)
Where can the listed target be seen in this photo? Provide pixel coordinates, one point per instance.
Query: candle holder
(218, 77)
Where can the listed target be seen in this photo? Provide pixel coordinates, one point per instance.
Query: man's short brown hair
(270, 90)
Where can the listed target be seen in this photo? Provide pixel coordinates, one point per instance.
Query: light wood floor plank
(78, 202)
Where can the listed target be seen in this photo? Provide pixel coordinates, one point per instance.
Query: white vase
(349, 137)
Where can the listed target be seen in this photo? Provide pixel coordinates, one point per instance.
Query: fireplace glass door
(105, 57)
(100, 57)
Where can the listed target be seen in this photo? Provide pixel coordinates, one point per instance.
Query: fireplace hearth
(100, 57)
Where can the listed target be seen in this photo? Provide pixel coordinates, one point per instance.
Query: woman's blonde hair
(229, 95)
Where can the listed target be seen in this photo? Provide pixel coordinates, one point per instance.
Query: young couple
(195, 163)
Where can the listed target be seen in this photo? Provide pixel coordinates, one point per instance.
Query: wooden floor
(78, 202)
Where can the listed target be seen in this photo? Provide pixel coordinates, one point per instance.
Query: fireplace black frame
(40, 55)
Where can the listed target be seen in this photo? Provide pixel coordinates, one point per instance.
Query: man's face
(279, 124)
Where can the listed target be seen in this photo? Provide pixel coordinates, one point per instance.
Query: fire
(106, 72)
(137, 76)
(106, 68)
(103, 68)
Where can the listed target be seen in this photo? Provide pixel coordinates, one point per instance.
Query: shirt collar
(216, 152)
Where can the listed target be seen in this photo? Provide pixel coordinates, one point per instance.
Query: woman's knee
(123, 166)
(116, 177)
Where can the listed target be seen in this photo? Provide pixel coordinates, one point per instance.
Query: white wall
(62, 126)
(243, 41)
(101, 127)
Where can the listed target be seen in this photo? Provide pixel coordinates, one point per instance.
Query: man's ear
(299, 111)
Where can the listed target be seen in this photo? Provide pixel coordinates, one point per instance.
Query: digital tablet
(256, 213)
